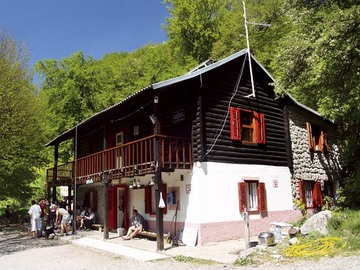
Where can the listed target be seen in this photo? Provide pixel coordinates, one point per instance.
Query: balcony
(126, 160)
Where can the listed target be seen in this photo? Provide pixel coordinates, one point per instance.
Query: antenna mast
(248, 49)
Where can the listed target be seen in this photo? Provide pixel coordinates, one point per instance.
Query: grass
(186, 259)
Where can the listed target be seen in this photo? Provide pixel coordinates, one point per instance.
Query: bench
(153, 236)
(97, 226)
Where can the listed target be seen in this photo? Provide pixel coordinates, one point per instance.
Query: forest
(311, 48)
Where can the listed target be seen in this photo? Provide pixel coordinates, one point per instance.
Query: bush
(349, 193)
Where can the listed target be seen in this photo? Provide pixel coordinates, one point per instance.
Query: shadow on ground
(16, 238)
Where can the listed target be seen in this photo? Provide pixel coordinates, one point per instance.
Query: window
(150, 199)
(120, 138)
(252, 196)
(310, 194)
(119, 141)
(317, 137)
(247, 126)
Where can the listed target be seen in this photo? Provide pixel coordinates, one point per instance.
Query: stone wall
(309, 165)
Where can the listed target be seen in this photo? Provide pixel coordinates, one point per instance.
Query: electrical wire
(236, 88)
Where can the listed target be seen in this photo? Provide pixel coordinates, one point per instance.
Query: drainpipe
(158, 179)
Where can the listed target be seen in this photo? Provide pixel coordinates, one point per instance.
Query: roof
(198, 71)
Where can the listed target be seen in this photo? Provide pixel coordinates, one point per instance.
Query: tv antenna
(248, 48)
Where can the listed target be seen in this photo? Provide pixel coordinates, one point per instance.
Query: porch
(126, 160)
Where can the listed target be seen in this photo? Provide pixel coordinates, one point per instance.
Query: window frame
(257, 125)
(312, 188)
(244, 196)
(150, 199)
(317, 138)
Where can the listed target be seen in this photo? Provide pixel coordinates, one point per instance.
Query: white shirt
(35, 211)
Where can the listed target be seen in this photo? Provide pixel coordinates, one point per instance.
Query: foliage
(244, 262)
(345, 223)
(193, 26)
(76, 87)
(318, 63)
(349, 194)
(299, 204)
(194, 260)
(21, 139)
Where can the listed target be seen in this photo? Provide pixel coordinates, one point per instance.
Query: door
(120, 206)
(117, 213)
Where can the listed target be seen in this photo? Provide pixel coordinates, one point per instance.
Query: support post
(106, 207)
(56, 158)
(158, 179)
(246, 228)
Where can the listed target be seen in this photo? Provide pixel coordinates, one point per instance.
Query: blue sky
(55, 29)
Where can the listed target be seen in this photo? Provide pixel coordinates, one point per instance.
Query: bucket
(266, 239)
(120, 231)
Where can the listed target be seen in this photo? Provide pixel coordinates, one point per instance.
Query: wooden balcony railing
(126, 160)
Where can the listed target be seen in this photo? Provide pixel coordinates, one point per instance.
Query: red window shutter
(242, 196)
(147, 199)
(302, 191)
(317, 196)
(321, 141)
(262, 197)
(260, 135)
(310, 137)
(164, 195)
(235, 128)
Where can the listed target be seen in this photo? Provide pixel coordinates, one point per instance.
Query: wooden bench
(153, 236)
(97, 226)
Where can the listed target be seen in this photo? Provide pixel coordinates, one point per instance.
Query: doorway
(120, 206)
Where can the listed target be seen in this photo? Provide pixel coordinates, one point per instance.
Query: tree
(20, 133)
(194, 26)
(76, 87)
(319, 63)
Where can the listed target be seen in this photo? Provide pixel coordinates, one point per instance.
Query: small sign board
(178, 116)
(189, 236)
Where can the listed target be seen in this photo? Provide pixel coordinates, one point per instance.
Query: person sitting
(138, 225)
(87, 221)
(80, 213)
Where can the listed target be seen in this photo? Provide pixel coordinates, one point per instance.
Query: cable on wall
(236, 88)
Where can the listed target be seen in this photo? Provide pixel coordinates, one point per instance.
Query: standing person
(42, 216)
(138, 225)
(7, 215)
(63, 217)
(34, 213)
(52, 214)
(63, 203)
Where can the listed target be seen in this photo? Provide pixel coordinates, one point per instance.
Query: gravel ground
(19, 251)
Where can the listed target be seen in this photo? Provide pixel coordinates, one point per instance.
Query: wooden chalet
(212, 147)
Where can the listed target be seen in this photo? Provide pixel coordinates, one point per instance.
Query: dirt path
(19, 251)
